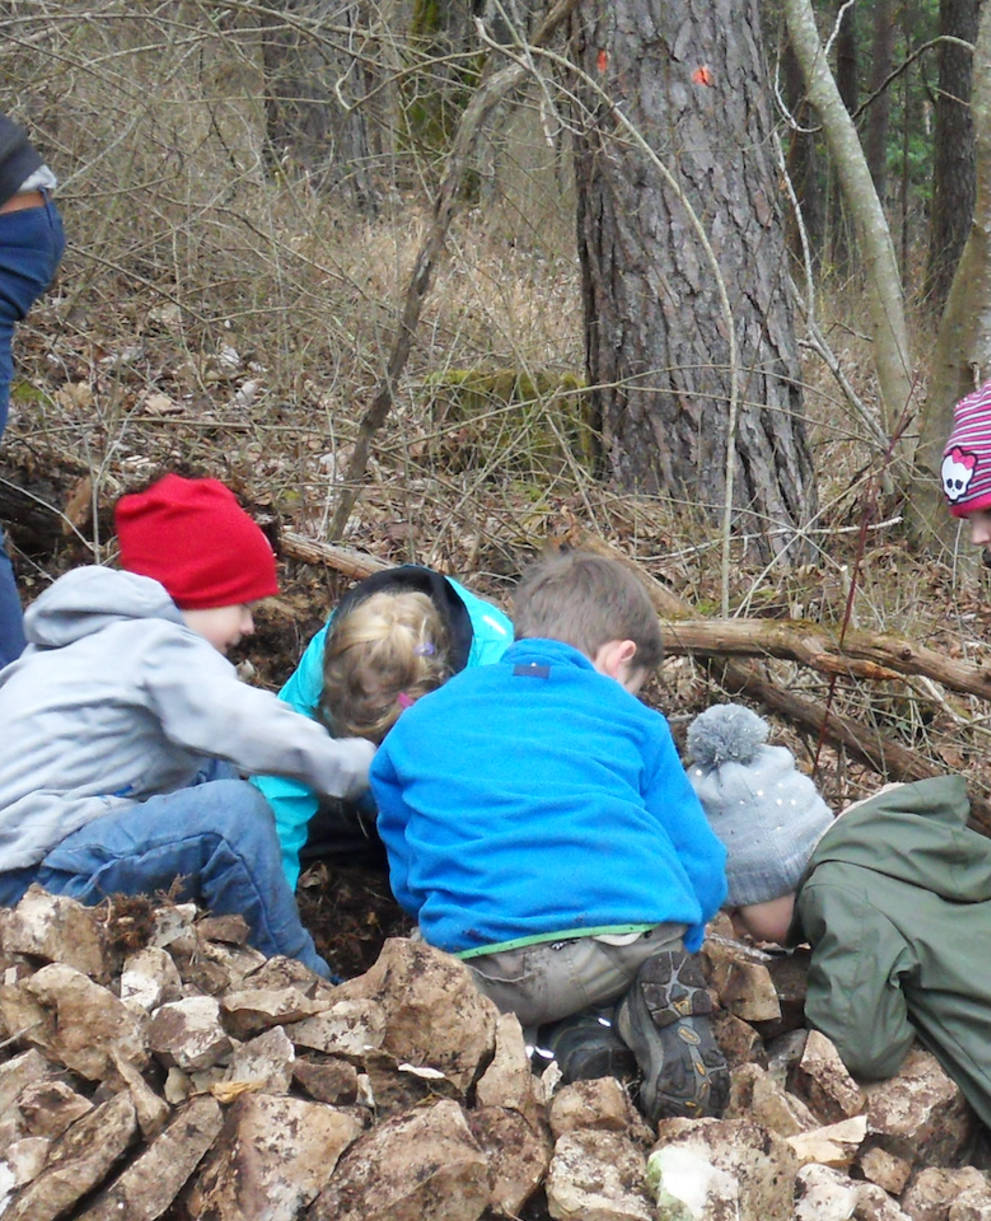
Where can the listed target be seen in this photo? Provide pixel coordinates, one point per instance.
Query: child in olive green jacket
(894, 897)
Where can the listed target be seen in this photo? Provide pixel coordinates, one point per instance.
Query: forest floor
(96, 417)
(107, 406)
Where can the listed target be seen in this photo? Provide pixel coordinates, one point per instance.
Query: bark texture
(954, 176)
(962, 356)
(315, 73)
(691, 78)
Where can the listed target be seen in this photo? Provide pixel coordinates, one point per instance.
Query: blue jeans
(217, 837)
(31, 244)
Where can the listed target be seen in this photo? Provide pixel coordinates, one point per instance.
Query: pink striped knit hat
(966, 469)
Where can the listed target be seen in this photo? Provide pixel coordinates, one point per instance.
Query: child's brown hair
(587, 600)
(381, 655)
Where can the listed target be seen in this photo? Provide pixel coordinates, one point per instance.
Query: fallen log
(889, 759)
(875, 656)
(861, 655)
(354, 564)
(805, 643)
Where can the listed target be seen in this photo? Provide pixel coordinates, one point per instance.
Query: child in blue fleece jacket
(540, 825)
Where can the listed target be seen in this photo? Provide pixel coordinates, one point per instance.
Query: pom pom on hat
(726, 732)
(966, 468)
(193, 537)
(767, 813)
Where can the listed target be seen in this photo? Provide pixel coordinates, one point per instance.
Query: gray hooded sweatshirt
(116, 700)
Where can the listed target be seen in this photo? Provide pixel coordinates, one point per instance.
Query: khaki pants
(553, 979)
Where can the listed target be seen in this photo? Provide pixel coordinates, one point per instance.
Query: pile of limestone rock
(153, 1065)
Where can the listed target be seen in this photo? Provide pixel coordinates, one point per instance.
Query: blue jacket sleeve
(392, 820)
(673, 801)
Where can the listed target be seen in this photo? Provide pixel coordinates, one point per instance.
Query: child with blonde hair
(395, 636)
(389, 650)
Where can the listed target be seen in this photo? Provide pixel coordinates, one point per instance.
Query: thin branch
(906, 63)
(484, 101)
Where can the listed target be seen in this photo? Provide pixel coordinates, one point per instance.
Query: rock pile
(153, 1065)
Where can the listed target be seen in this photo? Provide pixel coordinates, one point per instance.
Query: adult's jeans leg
(218, 837)
(11, 615)
(31, 245)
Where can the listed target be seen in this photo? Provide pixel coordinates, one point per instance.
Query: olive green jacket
(896, 903)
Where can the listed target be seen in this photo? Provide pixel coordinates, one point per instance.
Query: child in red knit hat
(123, 727)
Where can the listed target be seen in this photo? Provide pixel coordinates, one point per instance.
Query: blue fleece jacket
(536, 798)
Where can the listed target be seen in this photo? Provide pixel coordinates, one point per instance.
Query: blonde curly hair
(380, 656)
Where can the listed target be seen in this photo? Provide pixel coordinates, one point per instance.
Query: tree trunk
(884, 289)
(802, 162)
(879, 114)
(848, 84)
(954, 174)
(962, 357)
(313, 78)
(847, 80)
(690, 79)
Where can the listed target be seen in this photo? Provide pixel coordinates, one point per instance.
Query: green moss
(529, 419)
(26, 392)
(435, 94)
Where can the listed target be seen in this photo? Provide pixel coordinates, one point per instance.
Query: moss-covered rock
(519, 421)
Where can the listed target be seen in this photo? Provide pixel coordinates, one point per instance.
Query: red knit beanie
(193, 537)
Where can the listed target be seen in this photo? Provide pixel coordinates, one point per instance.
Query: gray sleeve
(201, 705)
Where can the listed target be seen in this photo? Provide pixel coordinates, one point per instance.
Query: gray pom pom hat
(767, 813)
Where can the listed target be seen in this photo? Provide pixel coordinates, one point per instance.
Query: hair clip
(427, 649)
(404, 700)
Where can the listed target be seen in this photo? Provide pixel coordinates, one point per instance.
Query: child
(894, 897)
(123, 703)
(394, 636)
(966, 467)
(743, 785)
(539, 824)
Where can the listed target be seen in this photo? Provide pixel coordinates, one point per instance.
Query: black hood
(438, 589)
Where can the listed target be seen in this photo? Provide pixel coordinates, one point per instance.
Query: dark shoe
(343, 833)
(663, 1018)
(586, 1046)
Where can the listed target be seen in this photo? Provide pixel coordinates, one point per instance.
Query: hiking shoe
(664, 1019)
(585, 1045)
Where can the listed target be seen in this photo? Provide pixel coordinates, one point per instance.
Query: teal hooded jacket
(896, 904)
(481, 634)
